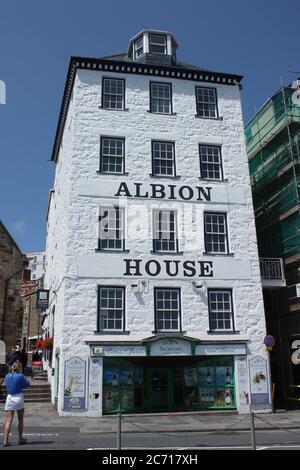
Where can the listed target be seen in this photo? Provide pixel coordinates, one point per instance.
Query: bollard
(253, 442)
(119, 431)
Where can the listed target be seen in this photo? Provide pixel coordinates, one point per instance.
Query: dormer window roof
(152, 46)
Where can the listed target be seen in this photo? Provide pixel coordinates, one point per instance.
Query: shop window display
(122, 389)
(138, 387)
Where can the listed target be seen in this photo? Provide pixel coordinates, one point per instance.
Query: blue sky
(257, 39)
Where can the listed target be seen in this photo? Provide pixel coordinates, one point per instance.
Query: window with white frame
(112, 155)
(165, 231)
(157, 44)
(215, 233)
(206, 102)
(139, 47)
(167, 309)
(111, 308)
(111, 229)
(210, 162)
(220, 309)
(163, 159)
(113, 93)
(160, 98)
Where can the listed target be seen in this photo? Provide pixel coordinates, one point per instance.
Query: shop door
(160, 388)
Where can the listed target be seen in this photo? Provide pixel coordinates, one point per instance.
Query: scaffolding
(273, 147)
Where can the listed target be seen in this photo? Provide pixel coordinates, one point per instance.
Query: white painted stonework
(74, 266)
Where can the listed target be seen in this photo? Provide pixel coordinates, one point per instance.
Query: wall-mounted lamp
(199, 286)
(140, 286)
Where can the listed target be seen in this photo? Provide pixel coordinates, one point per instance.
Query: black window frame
(102, 156)
(153, 142)
(216, 102)
(102, 93)
(123, 230)
(151, 97)
(219, 147)
(223, 290)
(157, 44)
(178, 289)
(104, 330)
(224, 253)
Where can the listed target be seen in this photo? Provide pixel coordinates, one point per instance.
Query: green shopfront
(169, 374)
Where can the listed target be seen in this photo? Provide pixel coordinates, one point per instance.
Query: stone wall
(11, 260)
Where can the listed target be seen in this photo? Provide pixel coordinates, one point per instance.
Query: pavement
(42, 418)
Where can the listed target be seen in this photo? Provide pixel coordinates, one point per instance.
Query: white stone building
(37, 264)
(152, 264)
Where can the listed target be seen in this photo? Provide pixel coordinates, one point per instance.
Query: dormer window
(138, 47)
(157, 44)
(153, 47)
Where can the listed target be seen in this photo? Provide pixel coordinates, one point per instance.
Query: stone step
(35, 393)
(30, 389)
(33, 400)
(41, 395)
(32, 397)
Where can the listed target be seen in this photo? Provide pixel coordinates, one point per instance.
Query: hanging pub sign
(42, 299)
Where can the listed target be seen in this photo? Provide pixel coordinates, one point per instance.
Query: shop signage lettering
(162, 191)
(220, 349)
(296, 353)
(157, 191)
(170, 268)
(170, 347)
(124, 350)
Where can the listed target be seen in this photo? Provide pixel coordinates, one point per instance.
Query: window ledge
(111, 109)
(220, 333)
(110, 173)
(111, 251)
(162, 114)
(218, 254)
(225, 180)
(176, 177)
(211, 118)
(166, 253)
(168, 333)
(111, 332)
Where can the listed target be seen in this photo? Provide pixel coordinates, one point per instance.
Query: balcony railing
(272, 272)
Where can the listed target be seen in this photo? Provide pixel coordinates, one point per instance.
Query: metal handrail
(271, 268)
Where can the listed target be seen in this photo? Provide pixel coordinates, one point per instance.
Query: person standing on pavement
(15, 382)
(23, 359)
(12, 357)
